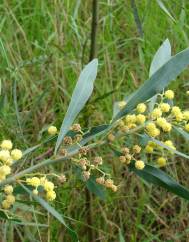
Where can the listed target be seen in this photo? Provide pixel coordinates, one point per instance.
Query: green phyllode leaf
(158, 177)
(95, 188)
(80, 96)
(162, 55)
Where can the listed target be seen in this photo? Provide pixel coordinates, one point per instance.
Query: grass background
(43, 46)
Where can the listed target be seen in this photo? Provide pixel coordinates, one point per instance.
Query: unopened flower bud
(76, 127)
(111, 137)
(100, 180)
(86, 175)
(98, 160)
(68, 140)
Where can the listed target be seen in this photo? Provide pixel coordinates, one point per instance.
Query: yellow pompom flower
(167, 127)
(152, 144)
(4, 155)
(187, 93)
(5, 170)
(50, 195)
(34, 181)
(139, 164)
(16, 154)
(186, 115)
(9, 162)
(122, 104)
(170, 144)
(140, 118)
(175, 110)
(150, 126)
(6, 204)
(130, 118)
(48, 186)
(6, 145)
(10, 199)
(169, 94)
(156, 113)
(186, 127)
(161, 161)
(161, 122)
(152, 130)
(165, 107)
(149, 149)
(52, 130)
(141, 108)
(8, 189)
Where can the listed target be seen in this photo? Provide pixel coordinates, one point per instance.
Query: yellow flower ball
(170, 144)
(5, 170)
(152, 144)
(139, 164)
(10, 199)
(161, 122)
(8, 189)
(16, 154)
(176, 111)
(186, 115)
(140, 118)
(34, 181)
(130, 118)
(150, 126)
(187, 92)
(149, 149)
(167, 127)
(4, 155)
(156, 113)
(165, 107)
(6, 204)
(48, 186)
(169, 94)
(186, 127)
(161, 161)
(141, 108)
(50, 195)
(6, 145)
(122, 104)
(9, 162)
(52, 130)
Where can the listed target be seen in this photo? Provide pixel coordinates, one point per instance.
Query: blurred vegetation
(43, 47)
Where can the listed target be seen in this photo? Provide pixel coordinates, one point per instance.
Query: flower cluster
(156, 123)
(7, 157)
(43, 182)
(128, 155)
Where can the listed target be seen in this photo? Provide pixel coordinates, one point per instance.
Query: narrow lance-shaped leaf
(182, 132)
(158, 81)
(162, 6)
(162, 55)
(52, 211)
(81, 94)
(157, 177)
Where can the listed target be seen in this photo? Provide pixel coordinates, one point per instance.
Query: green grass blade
(157, 177)
(52, 211)
(81, 94)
